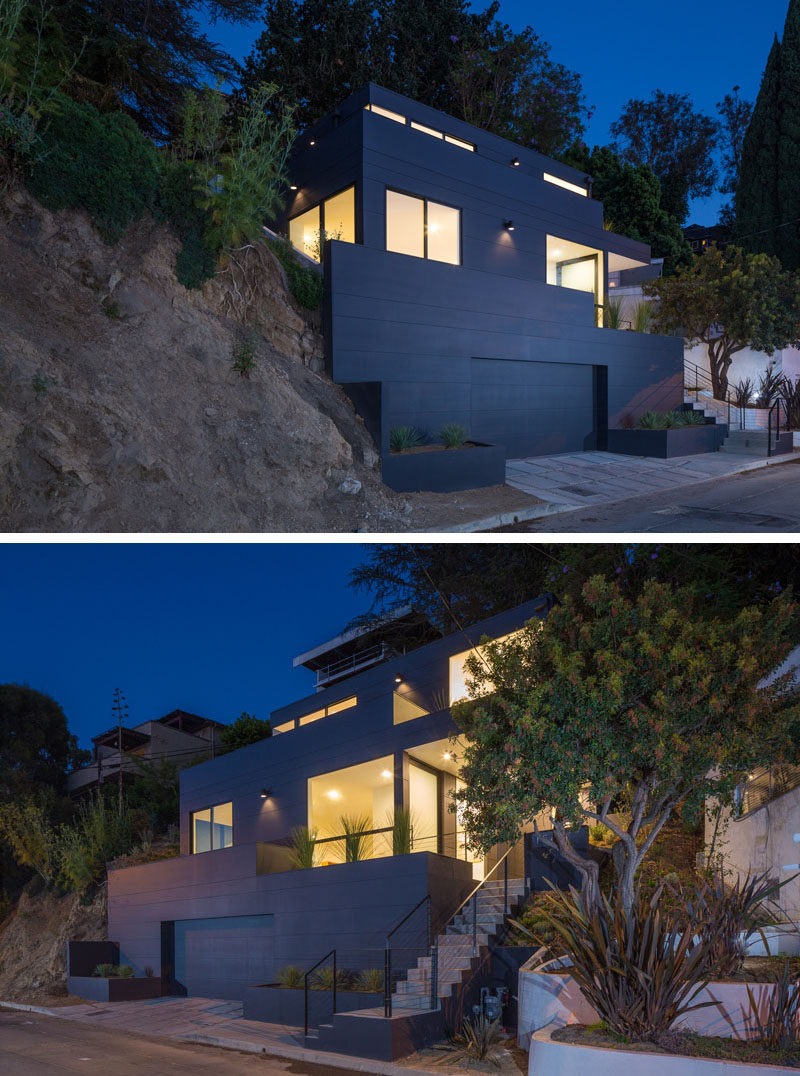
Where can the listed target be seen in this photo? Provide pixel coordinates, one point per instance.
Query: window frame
(209, 807)
(425, 200)
(358, 237)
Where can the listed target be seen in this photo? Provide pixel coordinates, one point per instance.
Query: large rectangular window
(422, 228)
(335, 218)
(327, 711)
(359, 799)
(559, 182)
(212, 828)
(459, 676)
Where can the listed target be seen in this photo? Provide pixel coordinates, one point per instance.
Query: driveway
(587, 479)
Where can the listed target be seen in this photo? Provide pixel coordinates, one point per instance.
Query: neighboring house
(377, 735)
(465, 282)
(700, 237)
(178, 736)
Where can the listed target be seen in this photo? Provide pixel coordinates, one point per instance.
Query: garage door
(218, 958)
(533, 408)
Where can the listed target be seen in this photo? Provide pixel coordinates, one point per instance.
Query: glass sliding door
(423, 793)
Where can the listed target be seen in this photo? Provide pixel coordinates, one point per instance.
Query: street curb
(26, 1008)
(298, 1053)
(552, 508)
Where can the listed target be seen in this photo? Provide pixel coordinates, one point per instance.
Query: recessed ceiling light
(334, 794)
(386, 773)
(447, 756)
(556, 253)
(312, 142)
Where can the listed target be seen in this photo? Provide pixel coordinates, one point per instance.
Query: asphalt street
(757, 502)
(35, 1045)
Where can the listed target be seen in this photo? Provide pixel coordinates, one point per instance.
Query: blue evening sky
(208, 628)
(629, 48)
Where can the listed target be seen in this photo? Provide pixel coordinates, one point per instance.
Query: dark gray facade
(217, 922)
(487, 343)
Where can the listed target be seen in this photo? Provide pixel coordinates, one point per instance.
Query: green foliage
(638, 968)
(729, 300)
(402, 831)
(355, 828)
(632, 200)
(291, 977)
(770, 387)
(370, 981)
(246, 729)
(36, 747)
(612, 313)
(40, 384)
(735, 115)
(642, 316)
(123, 971)
(100, 163)
(322, 979)
(402, 438)
(788, 156)
(111, 310)
(154, 794)
(677, 142)
(653, 420)
(600, 834)
(452, 435)
(756, 204)
(623, 695)
(305, 283)
(98, 834)
(477, 1041)
(304, 848)
(196, 262)
(670, 420)
(244, 358)
(25, 827)
(104, 971)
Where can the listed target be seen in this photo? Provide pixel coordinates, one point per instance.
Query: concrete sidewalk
(585, 479)
(211, 1022)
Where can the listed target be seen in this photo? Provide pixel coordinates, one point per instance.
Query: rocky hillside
(33, 943)
(120, 409)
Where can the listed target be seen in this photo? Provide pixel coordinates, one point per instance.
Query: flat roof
(362, 636)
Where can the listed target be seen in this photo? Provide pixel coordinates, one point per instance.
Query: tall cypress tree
(757, 207)
(787, 238)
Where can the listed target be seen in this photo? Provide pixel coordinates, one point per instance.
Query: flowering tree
(645, 699)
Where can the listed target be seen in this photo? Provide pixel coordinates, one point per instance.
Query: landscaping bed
(666, 444)
(276, 1004)
(438, 469)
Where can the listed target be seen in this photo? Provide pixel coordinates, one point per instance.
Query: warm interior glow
(459, 142)
(426, 130)
(387, 113)
(405, 224)
(566, 184)
(362, 791)
(287, 726)
(444, 240)
(340, 216)
(331, 708)
(459, 677)
(405, 709)
(423, 798)
(212, 828)
(304, 232)
(573, 265)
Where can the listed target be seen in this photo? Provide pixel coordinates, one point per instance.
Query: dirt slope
(33, 942)
(120, 410)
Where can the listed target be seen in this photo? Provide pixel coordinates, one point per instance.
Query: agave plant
(778, 1025)
(322, 979)
(291, 977)
(104, 971)
(641, 970)
(304, 847)
(370, 981)
(452, 435)
(652, 420)
(401, 438)
(355, 829)
(123, 971)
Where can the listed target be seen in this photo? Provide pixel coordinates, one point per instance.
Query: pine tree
(757, 193)
(787, 239)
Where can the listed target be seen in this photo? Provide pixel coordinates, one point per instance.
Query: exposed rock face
(33, 942)
(120, 409)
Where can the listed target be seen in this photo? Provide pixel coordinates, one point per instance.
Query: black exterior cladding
(487, 343)
(214, 923)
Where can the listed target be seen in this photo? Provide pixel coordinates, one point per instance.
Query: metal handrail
(305, 985)
(387, 955)
(776, 407)
(504, 860)
(766, 785)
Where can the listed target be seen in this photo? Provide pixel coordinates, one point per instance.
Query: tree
(735, 114)
(787, 236)
(631, 197)
(36, 747)
(246, 729)
(508, 84)
(729, 300)
(619, 699)
(142, 59)
(441, 53)
(666, 133)
(756, 202)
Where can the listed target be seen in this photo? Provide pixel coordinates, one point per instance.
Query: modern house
(465, 280)
(375, 737)
(178, 736)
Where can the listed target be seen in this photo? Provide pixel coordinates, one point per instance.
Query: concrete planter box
(279, 1005)
(549, 1058)
(445, 470)
(93, 988)
(556, 1000)
(665, 444)
(776, 941)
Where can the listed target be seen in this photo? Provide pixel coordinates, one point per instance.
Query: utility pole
(119, 707)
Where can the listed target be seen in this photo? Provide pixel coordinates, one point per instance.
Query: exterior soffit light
(398, 679)
(312, 142)
(386, 773)
(447, 756)
(293, 187)
(515, 162)
(508, 225)
(266, 793)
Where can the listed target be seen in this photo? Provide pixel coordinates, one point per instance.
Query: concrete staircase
(457, 961)
(755, 443)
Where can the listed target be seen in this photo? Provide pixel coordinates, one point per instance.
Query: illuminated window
(406, 710)
(335, 218)
(459, 142)
(362, 794)
(460, 678)
(566, 185)
(212, 828)
(386, 113)
(287, 726)
(427, 130)
(326, 711)
(422, 229)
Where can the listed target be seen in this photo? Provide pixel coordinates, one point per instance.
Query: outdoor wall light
(312, 142)
(508, 225)
(398, 679)
(515, 162)
(293, 187)
(266, 793)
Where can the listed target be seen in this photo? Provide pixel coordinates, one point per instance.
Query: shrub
(670, 420)
(770, 387)
(123, 971)
(612, 314)
(652, 420)
(98, 834)
(304, 847)
(244, 358)
(355, 828)
(453, 435)
(743, 392)
(100, 163)
(640, 971)
(322, 979)
(195, 262)
(642, 316)
(402, 831)
(601, 834)
(33, 842)
(305, 283)
(291, 977)
(477, 1041)
(104, 971)
(779, 1027)
(370, 981)
(401, 438)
